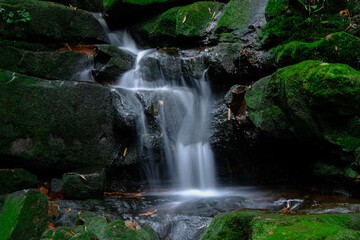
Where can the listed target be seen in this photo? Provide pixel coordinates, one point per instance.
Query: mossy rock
(56, 124)
(12, 180)
(24, 215)
(88, 5)
(237, 17)
(284, 29)
(256, 225)
(50, 22)
(62, 65)
(311, 101)
(184, 25)
(111, 62)
(338, 47)
(84, 184)
(104, 228)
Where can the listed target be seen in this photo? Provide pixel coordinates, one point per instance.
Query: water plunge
(180, 107)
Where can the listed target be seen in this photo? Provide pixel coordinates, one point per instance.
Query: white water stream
(182, 112)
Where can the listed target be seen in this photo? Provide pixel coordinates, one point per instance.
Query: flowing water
(180, 108)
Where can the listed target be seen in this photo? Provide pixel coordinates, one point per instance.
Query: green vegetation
(12, 180)
(24, 215)
(255, 225)
(338, 47)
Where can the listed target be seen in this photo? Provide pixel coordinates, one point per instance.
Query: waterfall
(181, 110)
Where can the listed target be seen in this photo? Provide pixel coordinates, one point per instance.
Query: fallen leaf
(184, 20)
(270, 233)
(336, 48)
(68, 210)
(44, 190)
(229, 114)
(68, 46)
(51, 225)
(82, 176)
(161, 102)
(328, 36)
(344, 12)
(125, 152)
(53, 208)
(148, 213)
(74, 8)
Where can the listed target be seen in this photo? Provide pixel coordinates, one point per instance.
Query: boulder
(311, 101)
(64, 65)
(111, 62)
(24, 215)
(12, 180)
(84, 184)
(50, 22)
(256, 225)
(179, 26)
(103, 228)
(339, 47)
(61, 125)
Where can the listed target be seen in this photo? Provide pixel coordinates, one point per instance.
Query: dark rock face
(64, 65)
(51, 22)
(110, 63)
(47, 124)
(12, 180)
(24, 215)
(88, 5)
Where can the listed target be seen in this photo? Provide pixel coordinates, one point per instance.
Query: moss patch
(24, 215)
(338, 47)
(255, 225)
(12, 180)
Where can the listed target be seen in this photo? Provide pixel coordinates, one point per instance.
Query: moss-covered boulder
(238, 16)
(338, 47)
(312, 101)
(24, 215)
(111, 62)
(63, 65)
(56, 124)
(84, 184)
(50, 22)
(65, 233)
(88, 5)
(103, 228)
(12, 180)
(185, 25)
(256, 225)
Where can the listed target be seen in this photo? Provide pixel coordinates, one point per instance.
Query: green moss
(284, 29)
(237, 17)
(63, 233)
(51, 22)
(88, 5)
(255, 225)
(338, 47)
(187, 22)
(74, 185)
(24, 215)
(275, 8)
(312, 101)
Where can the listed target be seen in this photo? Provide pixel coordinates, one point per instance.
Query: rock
(56, 124)
(104, 228)
(24, 215)
(312, 101)
(237, 17)
(84, 184)
(51, 22)
(256, 225)
(179, 26)
(12, 180)
(339, 47)
(88, 5)
(63, 65)
(110, 63)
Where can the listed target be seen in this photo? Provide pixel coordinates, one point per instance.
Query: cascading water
(181, 108)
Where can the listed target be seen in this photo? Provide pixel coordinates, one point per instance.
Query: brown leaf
(270, 233)
(229, 114)
(51, 225)
(328, 36)
(148, 213)
(184, 20)
(68, 210)
(125, 151)
(82, 176)
(336, 48)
